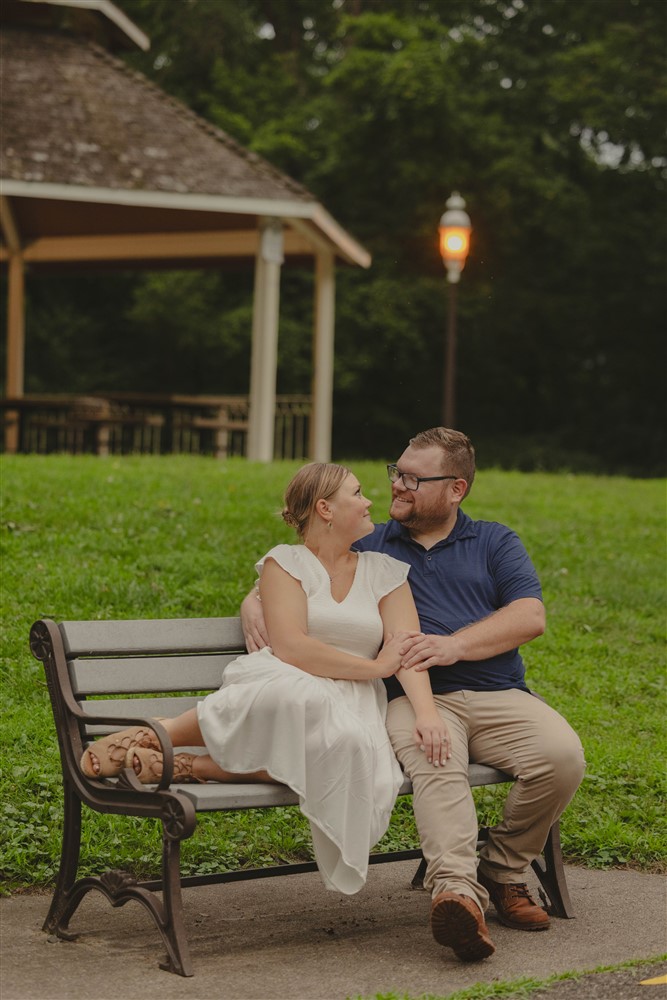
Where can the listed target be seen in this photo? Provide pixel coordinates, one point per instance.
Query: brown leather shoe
(514, 905)
(457, 923)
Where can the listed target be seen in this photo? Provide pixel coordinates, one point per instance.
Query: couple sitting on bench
(334, 617)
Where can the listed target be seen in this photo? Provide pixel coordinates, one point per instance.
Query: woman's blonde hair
(317, 481)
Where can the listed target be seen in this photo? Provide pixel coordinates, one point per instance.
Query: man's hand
(421, 651)
(252, 623)
(507, 628)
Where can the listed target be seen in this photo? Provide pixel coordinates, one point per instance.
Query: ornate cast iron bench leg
(69, 863)
(119, 887)
(418, 877)
(552, 877)
(172, 925)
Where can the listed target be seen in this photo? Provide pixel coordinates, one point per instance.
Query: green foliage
(178, 536)
(548, 116)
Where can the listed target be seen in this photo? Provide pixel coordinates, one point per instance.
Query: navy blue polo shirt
(480, 567)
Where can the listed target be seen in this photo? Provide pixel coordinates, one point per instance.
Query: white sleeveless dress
(324, 738)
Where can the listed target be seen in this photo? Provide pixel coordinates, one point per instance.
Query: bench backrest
(148, 669)
(139, 669)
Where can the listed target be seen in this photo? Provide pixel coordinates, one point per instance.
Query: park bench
(105, 675)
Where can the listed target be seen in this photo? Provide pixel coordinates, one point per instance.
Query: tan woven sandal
(111, 750)
(147, 765)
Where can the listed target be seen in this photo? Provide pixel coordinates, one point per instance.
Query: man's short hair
(458, 454)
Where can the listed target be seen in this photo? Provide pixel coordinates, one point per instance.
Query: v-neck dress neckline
(330, 581)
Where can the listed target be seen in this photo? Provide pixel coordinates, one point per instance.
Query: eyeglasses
(410, 481)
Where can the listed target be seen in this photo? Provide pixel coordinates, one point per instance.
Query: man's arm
(507, 628)
(252, 622)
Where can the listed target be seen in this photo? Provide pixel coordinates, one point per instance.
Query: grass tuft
(517, 989)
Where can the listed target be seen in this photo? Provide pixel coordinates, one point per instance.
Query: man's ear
(459, 488)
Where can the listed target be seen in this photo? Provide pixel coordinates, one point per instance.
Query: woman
(308, 711)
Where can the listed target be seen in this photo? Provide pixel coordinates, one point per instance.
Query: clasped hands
(419, 651)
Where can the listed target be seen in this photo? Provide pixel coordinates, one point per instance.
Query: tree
(547, 115)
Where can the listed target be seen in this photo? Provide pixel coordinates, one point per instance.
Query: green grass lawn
(178, 537)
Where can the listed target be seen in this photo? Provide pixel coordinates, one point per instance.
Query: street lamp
(455, 231)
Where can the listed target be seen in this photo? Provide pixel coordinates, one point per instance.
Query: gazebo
(100, 165)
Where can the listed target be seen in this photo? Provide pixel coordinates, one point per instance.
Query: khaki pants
(513, 731)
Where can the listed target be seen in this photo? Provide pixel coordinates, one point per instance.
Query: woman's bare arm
(286, 616)
(399, 616)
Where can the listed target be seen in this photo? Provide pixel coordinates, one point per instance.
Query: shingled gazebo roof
(98, 166)
(74, 114)
(79, 127)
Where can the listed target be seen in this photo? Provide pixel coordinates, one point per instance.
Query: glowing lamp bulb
(454, 236)
(455, 243)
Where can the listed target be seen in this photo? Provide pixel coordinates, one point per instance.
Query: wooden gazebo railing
(117, 423)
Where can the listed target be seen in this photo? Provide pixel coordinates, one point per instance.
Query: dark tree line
(547, 115)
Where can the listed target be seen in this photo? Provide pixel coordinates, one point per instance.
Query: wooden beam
(15, 346)
(15, 326)
(344, 245)
(162, 246)
(9, 227)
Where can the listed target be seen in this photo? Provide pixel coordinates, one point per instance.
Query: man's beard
(417, 520)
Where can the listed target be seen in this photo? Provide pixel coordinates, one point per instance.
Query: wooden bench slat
(131, 675)
(256, 795)
(156, 635)
(128, 708)
(212, 796)
(481, 774)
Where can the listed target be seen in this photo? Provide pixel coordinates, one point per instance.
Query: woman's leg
(106, 757)
(184, 731)
(206, 769)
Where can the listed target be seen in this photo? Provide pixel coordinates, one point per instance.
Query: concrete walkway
(290, 939)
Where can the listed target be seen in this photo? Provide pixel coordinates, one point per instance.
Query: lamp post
(455, 231)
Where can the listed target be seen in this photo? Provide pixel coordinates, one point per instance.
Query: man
(478, 599)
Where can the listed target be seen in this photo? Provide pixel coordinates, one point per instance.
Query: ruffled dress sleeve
(295, 560)
(385, 573)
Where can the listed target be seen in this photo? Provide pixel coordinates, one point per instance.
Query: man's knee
(562, 764)
(570, 765)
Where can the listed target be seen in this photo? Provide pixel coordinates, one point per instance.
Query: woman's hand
(252, 623)
(432, 736)
(388, 659)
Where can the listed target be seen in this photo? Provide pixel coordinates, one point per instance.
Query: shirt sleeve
(513, 569)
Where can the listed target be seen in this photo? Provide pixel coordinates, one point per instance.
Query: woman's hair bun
(290, 519)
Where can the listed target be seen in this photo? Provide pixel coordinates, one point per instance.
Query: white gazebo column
(264, 358)
(323, 357)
